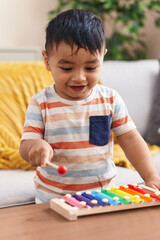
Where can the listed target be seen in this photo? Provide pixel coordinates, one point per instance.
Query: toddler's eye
(90, 68)
(66, 69)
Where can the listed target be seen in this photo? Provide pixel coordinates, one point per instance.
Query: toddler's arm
(137, 152)
(36, 151)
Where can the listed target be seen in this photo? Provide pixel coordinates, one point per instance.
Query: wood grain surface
(40, 222)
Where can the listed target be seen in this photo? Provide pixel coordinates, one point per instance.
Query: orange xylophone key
(135, 193)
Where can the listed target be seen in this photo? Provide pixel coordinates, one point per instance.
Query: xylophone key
(124, 194)
(109, 200)
(112, 195)
(134, 193)
(104, 194)
(91, 196)
(82, 198)
(72, 201)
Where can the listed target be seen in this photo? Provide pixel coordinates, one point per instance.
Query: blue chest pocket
(99, 130)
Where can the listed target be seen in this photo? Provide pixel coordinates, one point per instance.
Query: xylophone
(105, 200)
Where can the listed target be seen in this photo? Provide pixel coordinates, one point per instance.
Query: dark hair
(78, 27)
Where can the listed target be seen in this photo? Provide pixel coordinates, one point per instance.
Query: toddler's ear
(46, 60)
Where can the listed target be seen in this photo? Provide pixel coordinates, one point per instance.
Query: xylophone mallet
(60, 169)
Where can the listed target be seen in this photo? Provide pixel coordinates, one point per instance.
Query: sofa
(136, 81)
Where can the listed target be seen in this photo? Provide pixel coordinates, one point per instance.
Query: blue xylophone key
(110, 199)
(82, 198)
(94, 197)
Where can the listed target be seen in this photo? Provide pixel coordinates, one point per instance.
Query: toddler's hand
(40, 153)
(154, 183)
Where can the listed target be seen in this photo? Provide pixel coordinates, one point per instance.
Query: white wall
(23, 22)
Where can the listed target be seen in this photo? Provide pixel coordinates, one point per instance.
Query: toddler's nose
(79, 77)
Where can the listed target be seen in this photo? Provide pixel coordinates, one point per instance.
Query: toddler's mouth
(77, 88)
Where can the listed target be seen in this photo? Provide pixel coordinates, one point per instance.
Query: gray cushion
(152, 134)
(16, 187)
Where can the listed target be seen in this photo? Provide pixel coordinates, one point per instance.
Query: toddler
(71, 121)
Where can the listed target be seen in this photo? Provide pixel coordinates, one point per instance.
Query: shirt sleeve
(34, 123)
(121, 121)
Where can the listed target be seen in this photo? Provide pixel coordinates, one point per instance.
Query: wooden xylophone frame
(72, 213)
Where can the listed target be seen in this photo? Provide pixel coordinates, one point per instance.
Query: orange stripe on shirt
(74, 145)
(45, 105)
(120, 122)
(79, 115)
(95, 101)
(33, 129)
(100, 101)
(72, 187)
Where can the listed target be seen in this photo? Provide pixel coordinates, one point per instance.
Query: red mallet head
(62, 169)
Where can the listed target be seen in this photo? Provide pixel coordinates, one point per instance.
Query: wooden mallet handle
(49, 164)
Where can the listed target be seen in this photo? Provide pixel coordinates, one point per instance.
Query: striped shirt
(80, 133)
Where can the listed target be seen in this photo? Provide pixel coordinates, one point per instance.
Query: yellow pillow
(120, 159)
(18, 82)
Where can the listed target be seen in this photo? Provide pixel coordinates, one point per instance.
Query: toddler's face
(75, 73)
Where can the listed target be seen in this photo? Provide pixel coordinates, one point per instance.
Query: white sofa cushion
(127, 176)
(16, 187)
(135, 82)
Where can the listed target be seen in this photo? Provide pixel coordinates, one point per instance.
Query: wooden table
(40, 222)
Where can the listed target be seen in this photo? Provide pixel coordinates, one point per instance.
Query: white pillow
(16, 187)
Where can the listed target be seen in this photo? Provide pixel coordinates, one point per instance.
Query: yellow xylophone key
(134, 199)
